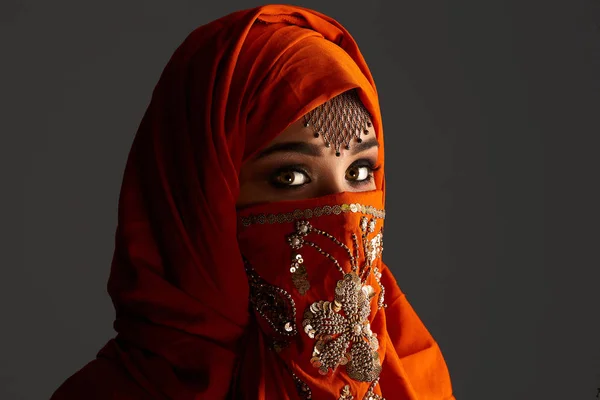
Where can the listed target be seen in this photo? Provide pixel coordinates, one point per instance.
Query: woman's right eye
(287, 178)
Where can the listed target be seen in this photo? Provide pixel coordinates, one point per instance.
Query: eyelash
(298, 168)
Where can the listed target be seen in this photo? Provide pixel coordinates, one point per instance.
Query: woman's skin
(296, 165)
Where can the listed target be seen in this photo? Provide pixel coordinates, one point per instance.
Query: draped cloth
(177, 281)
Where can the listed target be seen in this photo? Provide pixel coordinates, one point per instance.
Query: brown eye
(290, 178)
(357, 173)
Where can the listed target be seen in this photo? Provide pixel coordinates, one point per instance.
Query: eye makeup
(363, 163)
(295, 171)
(297, 176)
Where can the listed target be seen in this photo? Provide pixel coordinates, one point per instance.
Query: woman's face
(296, 165)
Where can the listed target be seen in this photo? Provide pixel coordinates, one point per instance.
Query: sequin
(272, 303)
(302, 388)
(310, 213)
(374, 248)
(296, 241)
(372, 224)
(300, 277)
(368, 291)
(364, 221)
(345, 332)
(381, 297)
(346, 394)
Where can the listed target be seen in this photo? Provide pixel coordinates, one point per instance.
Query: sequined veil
(314, 269)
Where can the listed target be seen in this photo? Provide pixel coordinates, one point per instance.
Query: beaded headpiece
(339, 120)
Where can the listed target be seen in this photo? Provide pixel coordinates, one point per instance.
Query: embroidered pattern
(381, 298)
(373, 249)
(297, 241)
(299, 274)
(273, 304)
(370, 395)
(346, 395)
(304, 391)
(341, 327)
(344, 339)
(312, 212)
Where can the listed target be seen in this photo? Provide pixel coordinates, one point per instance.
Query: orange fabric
(177, 280)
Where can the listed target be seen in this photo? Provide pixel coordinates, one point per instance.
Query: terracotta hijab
(186, 316)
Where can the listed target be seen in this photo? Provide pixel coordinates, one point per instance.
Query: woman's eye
(290, 178)
(358, 173)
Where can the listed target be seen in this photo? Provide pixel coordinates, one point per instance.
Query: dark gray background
(491, 117)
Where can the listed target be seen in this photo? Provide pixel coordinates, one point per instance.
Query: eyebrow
(291, 147)
(311, 149)
(363, 146)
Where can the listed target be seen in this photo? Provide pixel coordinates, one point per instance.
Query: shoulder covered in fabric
(100, 379)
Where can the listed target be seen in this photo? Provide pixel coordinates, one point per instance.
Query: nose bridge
(332, 182)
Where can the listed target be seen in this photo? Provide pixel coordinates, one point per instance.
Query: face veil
(314, 269)
(188, 265)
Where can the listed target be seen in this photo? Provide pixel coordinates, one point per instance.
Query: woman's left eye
(358, 173)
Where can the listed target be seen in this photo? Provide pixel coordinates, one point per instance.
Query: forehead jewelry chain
(340, 120)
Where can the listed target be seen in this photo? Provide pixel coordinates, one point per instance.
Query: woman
(248, 250)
